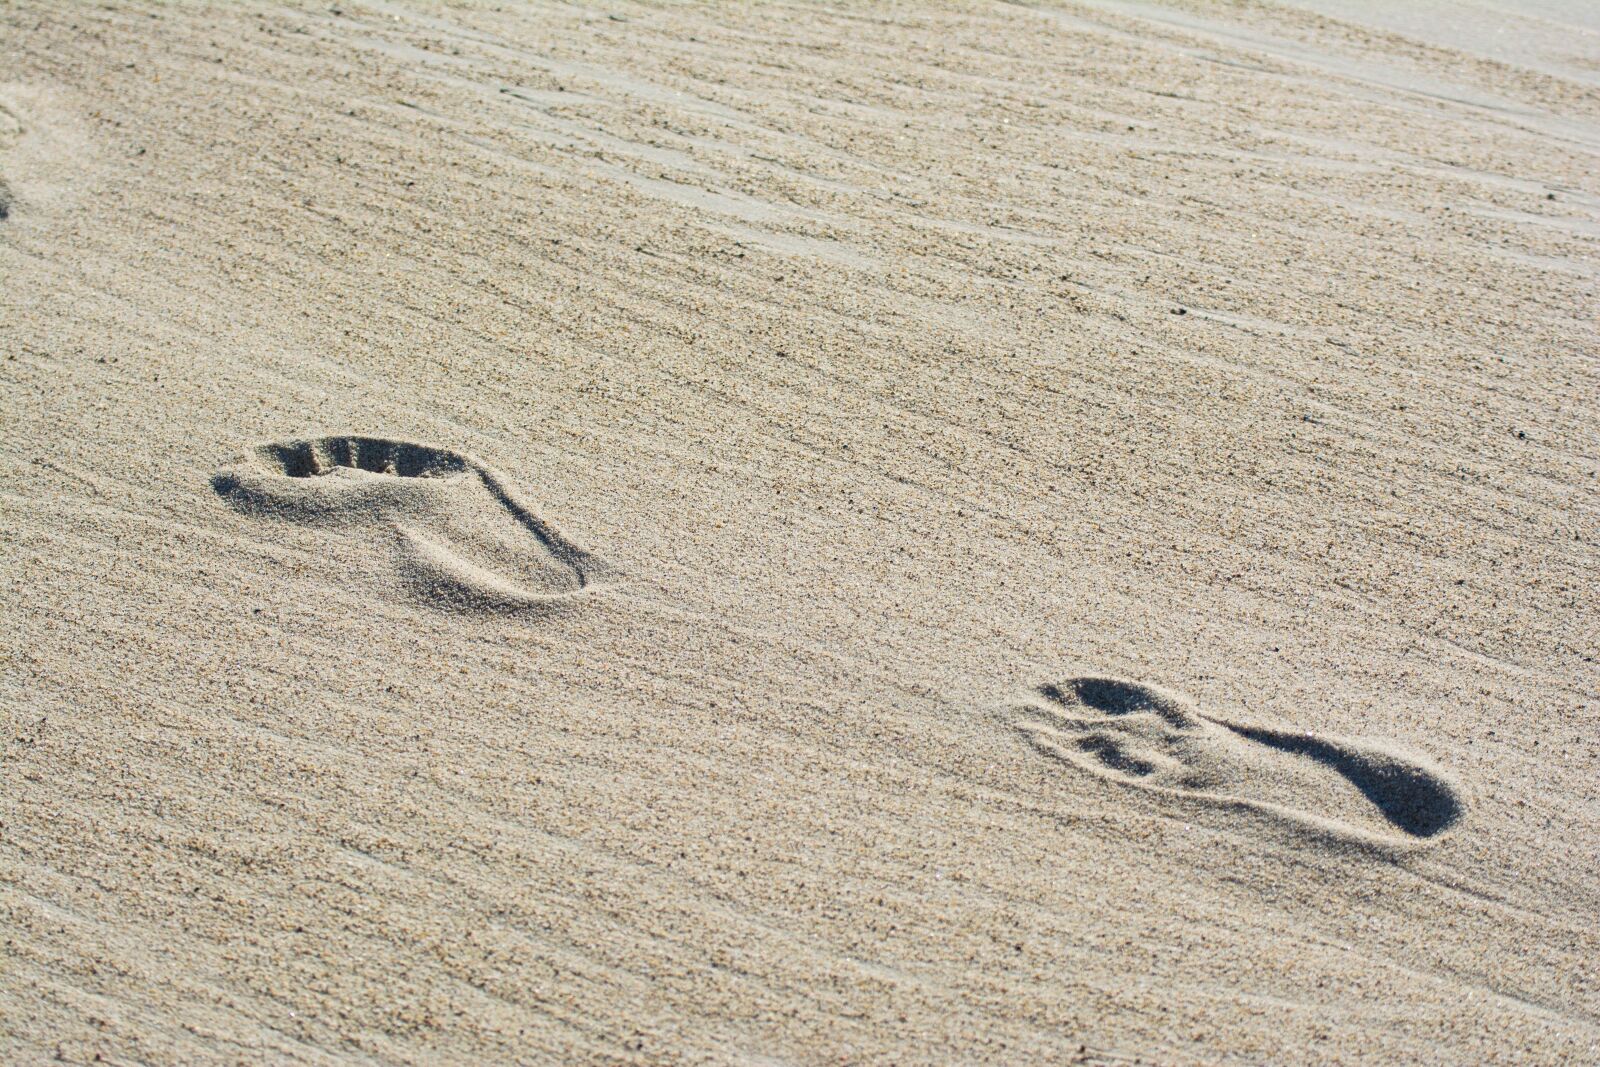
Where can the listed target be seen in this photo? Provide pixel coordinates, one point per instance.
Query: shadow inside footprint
(1158, 740)
(311, 459)
(460, 535)
(1416, 800)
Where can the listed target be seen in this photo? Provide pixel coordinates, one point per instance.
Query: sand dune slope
(790, 534)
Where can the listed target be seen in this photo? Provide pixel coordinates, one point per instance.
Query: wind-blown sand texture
(982, 533)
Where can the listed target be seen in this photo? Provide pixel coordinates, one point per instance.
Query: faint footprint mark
(460, 534)
(11, 128)
(10, 134)
(46, 151)
(1158, 740)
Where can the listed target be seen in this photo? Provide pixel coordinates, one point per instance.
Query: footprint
(47, 155)
(1158, 740)
(460, 535)
(11, 128)
(10, 134)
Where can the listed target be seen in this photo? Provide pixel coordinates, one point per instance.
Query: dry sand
(919, 534)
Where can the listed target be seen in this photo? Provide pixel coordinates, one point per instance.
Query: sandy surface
(913, 535)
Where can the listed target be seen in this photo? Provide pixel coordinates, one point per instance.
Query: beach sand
(791, 535)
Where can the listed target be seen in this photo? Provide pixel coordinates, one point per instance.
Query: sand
(790, 535)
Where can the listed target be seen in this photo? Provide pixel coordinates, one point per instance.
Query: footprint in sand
(460, 535)
(11, 128)
(10, 134)
(46, 150)
(1158, 740)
